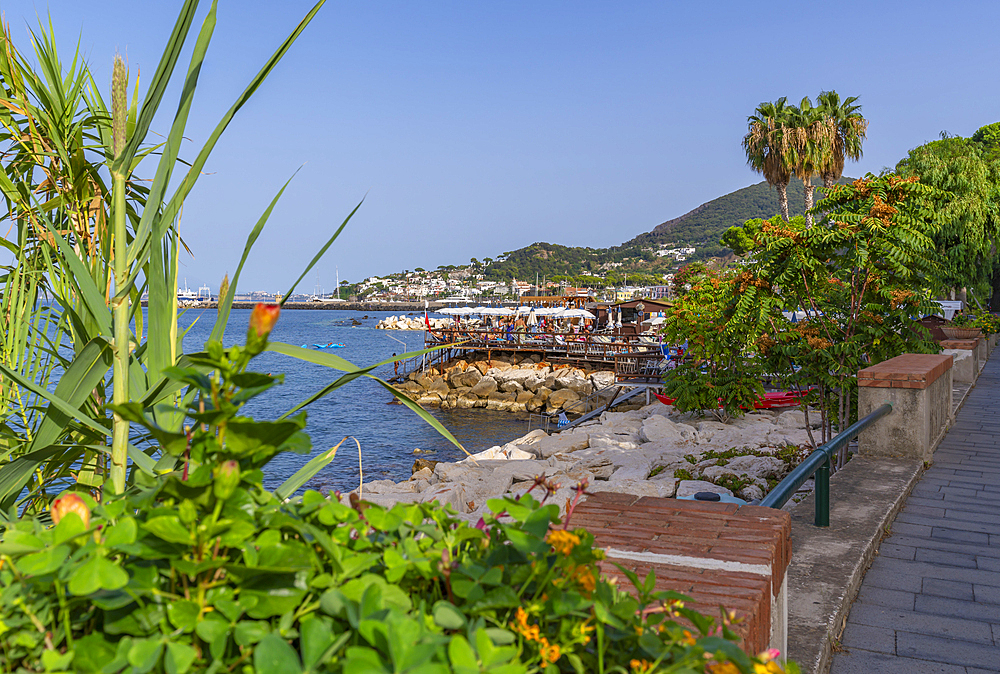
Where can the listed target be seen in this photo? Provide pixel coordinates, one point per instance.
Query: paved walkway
(931, 600)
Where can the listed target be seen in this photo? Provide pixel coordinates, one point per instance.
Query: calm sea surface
(388, 433)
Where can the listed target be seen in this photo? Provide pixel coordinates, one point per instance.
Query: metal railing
(818, 463)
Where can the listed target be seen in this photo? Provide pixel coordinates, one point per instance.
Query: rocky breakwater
(403, 322)
(508, 383)
(652, 451)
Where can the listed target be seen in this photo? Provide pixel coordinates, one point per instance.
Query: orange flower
(640, 666)
(70, 503)
(562, 541)
(263, 318)
(549, 653)
(688, 638)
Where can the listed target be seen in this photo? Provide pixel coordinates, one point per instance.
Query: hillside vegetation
(701, 228)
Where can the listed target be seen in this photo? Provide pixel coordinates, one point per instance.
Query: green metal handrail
(818, 463)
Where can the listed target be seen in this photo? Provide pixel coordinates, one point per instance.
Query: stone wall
(508, 383)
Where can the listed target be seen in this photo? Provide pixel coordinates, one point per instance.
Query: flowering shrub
(200, 569)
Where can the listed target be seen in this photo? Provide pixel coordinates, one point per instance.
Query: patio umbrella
(532, 318)
(656, 320)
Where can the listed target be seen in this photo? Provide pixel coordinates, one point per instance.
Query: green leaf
(144, 654)
(447, 616)
(462, 656)
(183, 614)
(315, 636)
(169, 529)
(274, 656)
(316, 258)
(249, 632)
(46, 561)
(179, 657)
(306, 473)
(56, 661)
(87, 579)
(123, 532)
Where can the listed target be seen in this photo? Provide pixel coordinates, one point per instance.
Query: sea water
(388, 434)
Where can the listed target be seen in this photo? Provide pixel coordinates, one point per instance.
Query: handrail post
(823, 494)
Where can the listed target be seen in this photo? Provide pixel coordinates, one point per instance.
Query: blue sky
(472, 128)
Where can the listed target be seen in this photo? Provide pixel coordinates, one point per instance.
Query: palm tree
(765, 145)
(811, 139)
(850, 128)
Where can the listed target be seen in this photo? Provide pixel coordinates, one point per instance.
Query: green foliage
(967, 203)
(199, 569)
(718, 374)
(862, 275)
(988, 323)
(988, 138)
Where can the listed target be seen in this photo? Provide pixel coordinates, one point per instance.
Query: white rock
(796, 419)
(602, 379)
(560, 443)
(658, 427)
(531, 438)
(422, 474)
(654, 488)
(692, 487)
(633, 467)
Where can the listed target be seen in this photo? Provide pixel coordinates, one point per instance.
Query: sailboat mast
(338, 282)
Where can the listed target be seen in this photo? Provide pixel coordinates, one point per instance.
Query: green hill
(701, 228)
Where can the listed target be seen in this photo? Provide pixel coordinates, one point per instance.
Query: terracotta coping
(716, 553)
(968, 344)
(911, 370)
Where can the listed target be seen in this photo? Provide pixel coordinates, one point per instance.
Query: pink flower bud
(70, 503)
(227, 478)
(263, 318)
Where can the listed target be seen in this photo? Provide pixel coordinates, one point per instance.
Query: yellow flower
(771, 667)
(585, 629)
(723, 668)
(562, 541)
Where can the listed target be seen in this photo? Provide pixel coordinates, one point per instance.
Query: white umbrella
(525, 310)
(532, 318)
(574, 313)
(656, 320)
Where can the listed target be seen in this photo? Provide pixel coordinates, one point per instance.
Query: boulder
(657, 428)
(560, 443)
(440, 386)
(467, 401)
(654, 488)
(531, 437)
(692, 487)
(796, 419)
(561, 398)
(512, 386)
(632, 467)
(602, 379)
(523, 397)
(424, 464)
(484, 387)
(424, 473)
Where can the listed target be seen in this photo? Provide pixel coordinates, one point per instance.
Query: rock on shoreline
(652, 451)
(509, 383)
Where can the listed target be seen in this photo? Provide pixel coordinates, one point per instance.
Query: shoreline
(651, 451)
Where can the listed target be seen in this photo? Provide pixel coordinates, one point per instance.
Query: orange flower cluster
(780, 231)
(818, 343)
(871, 318)
(562, 541)
(764, 343)
(640, 666)
(882, 211)
(900, 297)
(861, 185)
(745, 279)
(549, 652)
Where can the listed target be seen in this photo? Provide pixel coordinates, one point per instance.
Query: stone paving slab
(931, 599)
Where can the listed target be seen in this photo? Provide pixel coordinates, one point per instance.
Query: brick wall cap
(910, 370)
